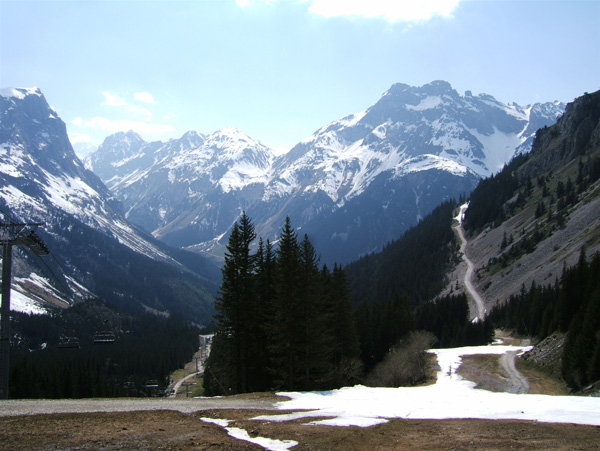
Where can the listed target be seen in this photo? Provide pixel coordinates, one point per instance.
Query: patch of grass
(541, 380)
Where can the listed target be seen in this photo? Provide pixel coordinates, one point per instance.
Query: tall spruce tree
(236, 322)
(286, 331)
(316, 337)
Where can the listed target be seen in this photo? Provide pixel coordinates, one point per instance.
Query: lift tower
(13, 234)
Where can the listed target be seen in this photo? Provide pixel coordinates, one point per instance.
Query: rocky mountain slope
(354, 185)
(545, 211)
(95, 251)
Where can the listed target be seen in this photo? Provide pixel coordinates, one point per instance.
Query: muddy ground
(170, 430)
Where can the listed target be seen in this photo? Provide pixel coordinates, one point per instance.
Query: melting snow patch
(451, 397)
(242, 434)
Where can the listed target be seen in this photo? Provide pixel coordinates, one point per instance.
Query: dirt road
(470, 267)
(185, 405)
(518, 383)
(170, 430)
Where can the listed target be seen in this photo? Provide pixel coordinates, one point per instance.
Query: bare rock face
(548, 353)
(576, 131)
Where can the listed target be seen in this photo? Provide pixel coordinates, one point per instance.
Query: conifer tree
(235, 305)
(286, 330)
(265, 292)
(315, 338)
(342, 324)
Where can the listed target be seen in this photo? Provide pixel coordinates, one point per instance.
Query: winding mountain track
(518, 382)
(470, 267)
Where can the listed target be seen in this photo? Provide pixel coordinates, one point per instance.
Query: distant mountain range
(354, 185)
(95, 250)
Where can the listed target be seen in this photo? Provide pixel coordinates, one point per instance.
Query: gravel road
(519, 383)
(469, 274)
(45, 406)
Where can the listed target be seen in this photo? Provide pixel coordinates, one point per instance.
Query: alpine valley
(94, 250)
(353, 186)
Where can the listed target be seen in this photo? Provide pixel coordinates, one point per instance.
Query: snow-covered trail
(450, 397)
(469, 273)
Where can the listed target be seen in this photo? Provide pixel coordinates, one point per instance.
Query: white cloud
(77, 138)
(118, 101)
(77, 121)
(113, 99)
(390, 10)
(145, 97)
(123, 125)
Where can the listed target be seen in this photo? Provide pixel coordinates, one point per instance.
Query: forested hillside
(571, 306)
(393, 289)
(284, 322)
(531, 227)
(57, 355)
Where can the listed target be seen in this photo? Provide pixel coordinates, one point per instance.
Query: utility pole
(13, 234)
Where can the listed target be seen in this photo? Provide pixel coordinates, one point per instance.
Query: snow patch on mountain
(427, 103)
(20, 93)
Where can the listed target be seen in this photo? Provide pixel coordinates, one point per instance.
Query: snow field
(451, 397)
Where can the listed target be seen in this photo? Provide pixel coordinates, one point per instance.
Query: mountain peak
(21, 93)
(438, 85)
(128, 136)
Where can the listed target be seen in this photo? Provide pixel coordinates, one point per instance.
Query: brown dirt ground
(168, 430)
(486, 372)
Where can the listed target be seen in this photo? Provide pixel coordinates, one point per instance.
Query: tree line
(146, 348)
(282, 321)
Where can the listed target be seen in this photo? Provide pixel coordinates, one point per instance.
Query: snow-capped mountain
(353, 185)
(42, 180)
(186, 191)
(411, 130)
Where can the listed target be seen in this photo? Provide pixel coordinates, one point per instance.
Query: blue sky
(280, 69)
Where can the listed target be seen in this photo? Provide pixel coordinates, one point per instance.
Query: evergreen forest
(55, 355)
(283, 322)
(571, 305)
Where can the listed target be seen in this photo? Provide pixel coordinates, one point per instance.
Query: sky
(279, 70)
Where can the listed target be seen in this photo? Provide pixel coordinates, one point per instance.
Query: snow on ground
(242, 434)
(451, 397)
(20, 302)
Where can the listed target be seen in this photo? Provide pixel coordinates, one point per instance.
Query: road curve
(469, 273)
(518, 382)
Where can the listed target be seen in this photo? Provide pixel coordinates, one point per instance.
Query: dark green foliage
(407, 273)
(236, 305)
(297, 323)
(146, 348)
(488, 199)
(448, 319)
(572, 306)
(414, 265)
(381, 325)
